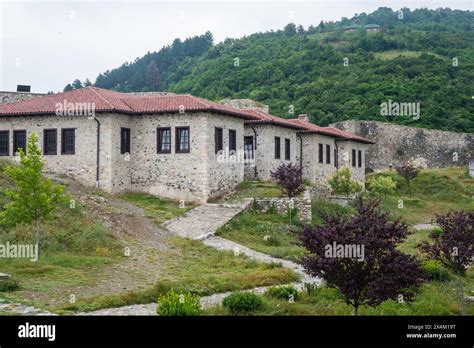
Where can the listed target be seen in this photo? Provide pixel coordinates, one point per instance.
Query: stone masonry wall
(302, 204)
(396, 145)
(9, 97)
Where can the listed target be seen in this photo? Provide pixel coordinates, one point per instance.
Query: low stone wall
(9, 97)
(302, 204)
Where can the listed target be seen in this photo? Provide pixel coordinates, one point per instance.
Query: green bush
(342, 184)
(174, 304)
(243, 302)
(382, 185)
(435, 271)
(438, 230)
(9, 285)
(283, 292)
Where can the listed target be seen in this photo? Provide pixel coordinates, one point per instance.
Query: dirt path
(143, 240)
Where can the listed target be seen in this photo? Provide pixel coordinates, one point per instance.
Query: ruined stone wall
(395, 145)
(9, 97)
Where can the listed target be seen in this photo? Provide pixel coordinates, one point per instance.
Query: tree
(87, 83)
(33, 198)
(409, 172)
(289, 177)
(383, 272)
(76, 84)
(152, 76)
(68, 88)
(454, 245)
(341, 183)
(382, 185)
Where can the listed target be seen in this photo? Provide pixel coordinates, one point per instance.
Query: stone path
(420, 227)
(203, 221)
(20, 309)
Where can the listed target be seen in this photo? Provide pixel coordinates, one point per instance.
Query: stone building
(170, 145)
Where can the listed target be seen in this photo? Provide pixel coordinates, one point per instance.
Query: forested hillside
(421, 56)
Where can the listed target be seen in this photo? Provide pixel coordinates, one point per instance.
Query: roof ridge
(96, 92)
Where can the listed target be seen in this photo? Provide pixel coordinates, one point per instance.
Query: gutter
(97, 173)
(301, 153)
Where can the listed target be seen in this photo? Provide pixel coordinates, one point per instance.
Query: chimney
(303, 118)
(23, 88)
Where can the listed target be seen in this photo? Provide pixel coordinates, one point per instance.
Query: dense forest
(421, 56)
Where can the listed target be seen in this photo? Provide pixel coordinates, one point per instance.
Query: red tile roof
(111, 101)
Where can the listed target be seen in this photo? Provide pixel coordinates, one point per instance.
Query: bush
(435, 271)
(174, 303)
(9, 285)
(382, 185)
(243, 302)
(341, 183)
(283, 292)
(289, 177)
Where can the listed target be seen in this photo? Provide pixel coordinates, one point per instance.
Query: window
(320, 153)
(182, 139)
(163, 140)
(232, 140)
(124, 140)
(277, 148)
(328, 154)
(68, 141)
(19, 141)
(287, 149)
(353, 158)
(336, 158)
(50, 142)
(359, 159)
(4, 143)
(248, 147)
(218, 142)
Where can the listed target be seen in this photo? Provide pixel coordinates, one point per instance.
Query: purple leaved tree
(289, 177)
(454, 245)
(358, 255)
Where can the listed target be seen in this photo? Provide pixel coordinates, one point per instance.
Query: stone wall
(194, 176)
(302, 204)
(264, 154)
(9, 97)
(395, 145)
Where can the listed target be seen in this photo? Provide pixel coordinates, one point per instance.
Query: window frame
(277, 148)
(7, 152)
(354, 158)
(178, 140)
(15, 145)
(47, 153)
(328, 154)
(246, 138)
(320, 153)
(159, 144)
(336, 158)
(63, 149)
(287, 149)
(232, 140)
(218, 142)
(359, 158)
(127, 146)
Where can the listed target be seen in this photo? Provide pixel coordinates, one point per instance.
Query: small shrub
(289, 178)
(9, 285)
(243, 302)
(283, 292)
(310, 288)
(174, 304)
(435, 271)
(437, 230)
(382, 185)
(341, 183)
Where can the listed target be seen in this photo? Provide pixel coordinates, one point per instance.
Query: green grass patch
(255, 189)
(269, 233)
(159, 209)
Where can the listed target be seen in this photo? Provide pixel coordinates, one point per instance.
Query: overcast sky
(47, 44)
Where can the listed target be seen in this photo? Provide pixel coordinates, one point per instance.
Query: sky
(48, 44)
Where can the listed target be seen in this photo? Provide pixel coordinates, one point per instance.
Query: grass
(268, 233)
(159, 209)
(393, 54)
(254, 189)
(190, 266)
